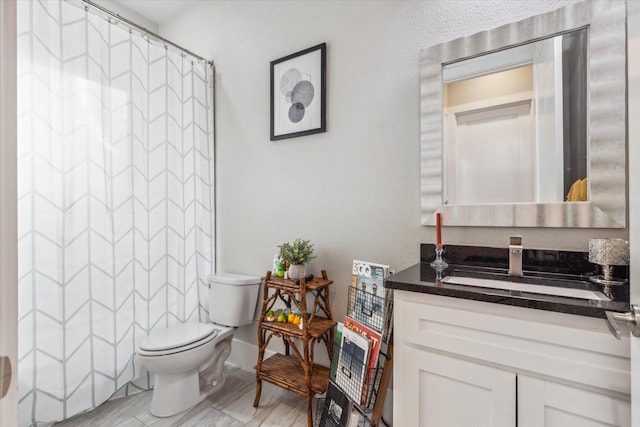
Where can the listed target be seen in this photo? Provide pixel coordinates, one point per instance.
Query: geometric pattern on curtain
(116, 203)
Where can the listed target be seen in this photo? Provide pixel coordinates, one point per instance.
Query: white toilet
(187, 360)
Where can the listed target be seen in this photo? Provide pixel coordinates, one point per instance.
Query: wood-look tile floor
(232, 406)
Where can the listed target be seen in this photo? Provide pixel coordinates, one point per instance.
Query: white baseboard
(244, 355)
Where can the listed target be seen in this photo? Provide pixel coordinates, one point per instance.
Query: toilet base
(174, 393)
(177, 387)
(209, 389)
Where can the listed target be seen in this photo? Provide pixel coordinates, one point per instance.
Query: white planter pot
(297, 271)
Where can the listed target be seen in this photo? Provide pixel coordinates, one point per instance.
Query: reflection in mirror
(573, 103)
(515, 125)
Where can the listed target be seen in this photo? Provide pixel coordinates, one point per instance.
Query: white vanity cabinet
(465, 363)
(543, 402)
(438, 390)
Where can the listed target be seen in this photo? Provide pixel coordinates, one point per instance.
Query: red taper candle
(438, 230)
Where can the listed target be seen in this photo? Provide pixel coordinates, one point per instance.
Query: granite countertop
(423, 278)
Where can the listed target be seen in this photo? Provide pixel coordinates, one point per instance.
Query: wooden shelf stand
(295, 370)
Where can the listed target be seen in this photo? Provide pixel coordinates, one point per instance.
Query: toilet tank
(232, 298)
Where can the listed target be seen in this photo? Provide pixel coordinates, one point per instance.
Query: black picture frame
(337, 409)
(297, 107)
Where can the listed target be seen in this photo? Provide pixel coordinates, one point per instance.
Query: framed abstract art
(298, 94)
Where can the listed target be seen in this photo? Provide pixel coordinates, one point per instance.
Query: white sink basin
(524, 287)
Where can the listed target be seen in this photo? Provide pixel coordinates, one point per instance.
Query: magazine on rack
(352, 364)
(368, 293)
(337, 410)
(336, 348)
(375, 340)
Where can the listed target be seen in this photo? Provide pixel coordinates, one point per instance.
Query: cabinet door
(549, 404)
(436, 390)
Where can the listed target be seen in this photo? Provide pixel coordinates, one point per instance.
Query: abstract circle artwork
(296, 112)
(298, 94)
(288, 81)
(303, 93)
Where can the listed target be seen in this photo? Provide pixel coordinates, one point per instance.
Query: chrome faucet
(515, 256)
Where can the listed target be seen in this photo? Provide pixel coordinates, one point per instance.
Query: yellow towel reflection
(578, 191)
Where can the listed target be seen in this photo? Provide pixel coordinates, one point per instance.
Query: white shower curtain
(115, 187)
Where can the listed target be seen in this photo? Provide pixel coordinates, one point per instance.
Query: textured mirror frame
(607, 119)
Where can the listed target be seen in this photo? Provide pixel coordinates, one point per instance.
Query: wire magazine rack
(372, 310)
(364, 385)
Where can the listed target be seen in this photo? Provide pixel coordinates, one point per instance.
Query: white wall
(354, 190)
(119, 7)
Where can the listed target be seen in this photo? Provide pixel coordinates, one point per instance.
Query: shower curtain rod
(149, 33)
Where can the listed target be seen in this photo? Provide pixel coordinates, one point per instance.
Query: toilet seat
(178, 338)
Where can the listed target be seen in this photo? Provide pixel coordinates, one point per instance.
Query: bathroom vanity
(498, 356)
(473, 345)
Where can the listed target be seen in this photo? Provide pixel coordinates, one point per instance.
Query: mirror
(515, 123)
(511, 158)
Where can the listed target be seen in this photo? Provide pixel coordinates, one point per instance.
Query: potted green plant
(298, 254)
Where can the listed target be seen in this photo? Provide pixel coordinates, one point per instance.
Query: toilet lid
(177, 336)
